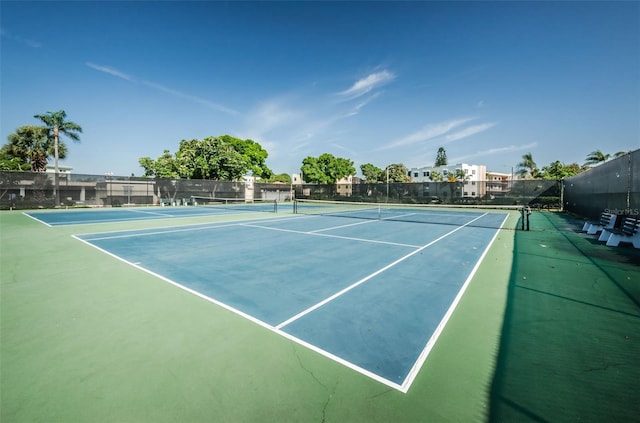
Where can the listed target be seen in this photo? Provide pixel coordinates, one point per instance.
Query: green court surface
(547, 331)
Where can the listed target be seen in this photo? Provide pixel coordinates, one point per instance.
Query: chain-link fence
(537, 193)
(613, 186)
(23, 190)
(27, 190)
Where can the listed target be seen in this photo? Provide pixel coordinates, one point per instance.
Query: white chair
(629, 232)
(607, 221)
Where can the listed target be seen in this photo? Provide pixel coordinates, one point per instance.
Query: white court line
(36, 219)
(252, 319)
(181, 228)
(124, 220)
(343, 226)
(314, 233)
(366, 278)
(276, 329)
(436, 333)
(159, 232)
(150, 212)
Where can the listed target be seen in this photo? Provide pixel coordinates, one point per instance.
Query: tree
(166, 166)
(458, 176)
(436, 176)
(326, 169)
(397, 172)
(456, 180)
(372, 173)
(253, 152)
(211, 158)
(10, 162)
(558, 170)
(596, 157)
(56, 124)
(223, 158)
(527, 167)
(284, 178)
(441, 157)
(29, 145)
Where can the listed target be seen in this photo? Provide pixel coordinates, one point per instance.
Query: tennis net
(254, 205)
(457, 215)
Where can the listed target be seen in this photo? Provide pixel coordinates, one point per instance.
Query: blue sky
(374, 82)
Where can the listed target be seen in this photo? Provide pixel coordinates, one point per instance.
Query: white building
(61, 169)
(498, 184)
(473, 185)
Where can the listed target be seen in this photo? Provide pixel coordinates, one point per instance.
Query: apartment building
(473, 185)
(498, 184)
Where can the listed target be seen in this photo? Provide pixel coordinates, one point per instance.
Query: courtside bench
(607, 221)
(629, 232)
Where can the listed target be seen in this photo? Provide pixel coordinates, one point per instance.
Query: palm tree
(527, 166)
(31, 143)
(596, 157)
(436, 176)
(55, 122)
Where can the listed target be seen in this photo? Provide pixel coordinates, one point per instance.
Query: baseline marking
(251, 319)
(366, 278)
(170, 229)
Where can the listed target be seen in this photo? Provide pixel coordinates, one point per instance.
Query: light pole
(109, 176)
(387, 184)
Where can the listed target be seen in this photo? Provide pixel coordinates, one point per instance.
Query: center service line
(366, 278)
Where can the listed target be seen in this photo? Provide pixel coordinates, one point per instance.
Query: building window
(415, 174)
(425, 174)
(473, 194)
(473, 172)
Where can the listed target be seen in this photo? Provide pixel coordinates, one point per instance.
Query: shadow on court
(570, 341)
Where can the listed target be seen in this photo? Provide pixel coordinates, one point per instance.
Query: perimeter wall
(613, 186)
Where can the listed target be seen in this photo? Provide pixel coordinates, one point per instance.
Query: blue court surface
(125, 214)
(371, 294)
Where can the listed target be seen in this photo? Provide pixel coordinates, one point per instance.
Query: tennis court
(345, 315)
(372, 294)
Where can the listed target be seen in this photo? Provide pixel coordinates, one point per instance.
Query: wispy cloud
(356, 109)
(190, 97)
(110, 71)
(271, 115)
(25, 41)
(122, 75)
(367, 84)
(471, 130)
(426, 133)
(492, 151)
